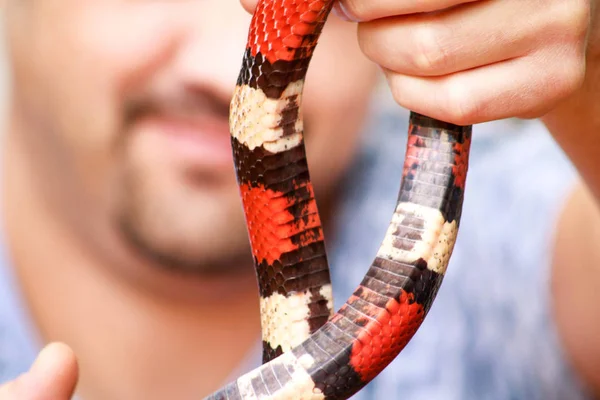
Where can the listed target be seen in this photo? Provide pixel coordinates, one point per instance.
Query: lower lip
(202, 143)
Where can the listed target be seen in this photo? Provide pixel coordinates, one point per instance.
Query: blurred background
(3, 72)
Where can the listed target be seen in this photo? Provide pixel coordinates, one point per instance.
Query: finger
(54, 373)
(525, 87)
(10, 390)
(367, 10)
(249, 5)
(464, 37)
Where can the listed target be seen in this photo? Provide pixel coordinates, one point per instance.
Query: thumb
(249, 5)
(53, 375)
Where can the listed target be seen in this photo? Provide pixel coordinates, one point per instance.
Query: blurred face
(124, 105)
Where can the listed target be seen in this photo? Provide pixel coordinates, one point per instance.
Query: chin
(187, 230)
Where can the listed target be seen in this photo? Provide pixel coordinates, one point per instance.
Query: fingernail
(340, 10)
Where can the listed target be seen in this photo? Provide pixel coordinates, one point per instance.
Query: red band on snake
(310, 352)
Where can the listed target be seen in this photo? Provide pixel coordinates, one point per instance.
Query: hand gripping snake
(310, 352)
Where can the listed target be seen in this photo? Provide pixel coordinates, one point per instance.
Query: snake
(310, 350)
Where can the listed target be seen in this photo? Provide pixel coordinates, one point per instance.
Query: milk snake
(310, 352)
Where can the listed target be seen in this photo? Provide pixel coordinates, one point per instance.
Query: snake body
(310, 352)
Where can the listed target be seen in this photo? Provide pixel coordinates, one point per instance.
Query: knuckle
(457, 105)
(397, 91)
(573, 18)
(429, 54)
(581, 16)
(578, 73)
(569, 79)
(369, 43)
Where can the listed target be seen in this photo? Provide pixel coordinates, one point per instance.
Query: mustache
(185, 103)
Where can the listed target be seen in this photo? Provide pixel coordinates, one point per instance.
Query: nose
(213, 43)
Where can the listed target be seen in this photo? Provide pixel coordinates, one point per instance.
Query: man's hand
(467, 61)
(53, 376)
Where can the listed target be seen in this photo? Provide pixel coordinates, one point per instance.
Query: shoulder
(575, 280)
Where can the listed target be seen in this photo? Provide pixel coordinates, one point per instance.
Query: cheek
(339, 75)
(336, 100)
(75, 85)
(105, 64)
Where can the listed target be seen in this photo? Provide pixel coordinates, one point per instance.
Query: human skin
(118, 118)
(514, 76)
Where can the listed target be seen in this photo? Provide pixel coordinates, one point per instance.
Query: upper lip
(191, 107)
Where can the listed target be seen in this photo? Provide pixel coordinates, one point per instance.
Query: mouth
(201, 141)
(192, 133)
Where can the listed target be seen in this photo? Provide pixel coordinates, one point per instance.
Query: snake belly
(309, 351)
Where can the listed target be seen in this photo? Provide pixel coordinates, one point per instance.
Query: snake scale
(310, 351)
